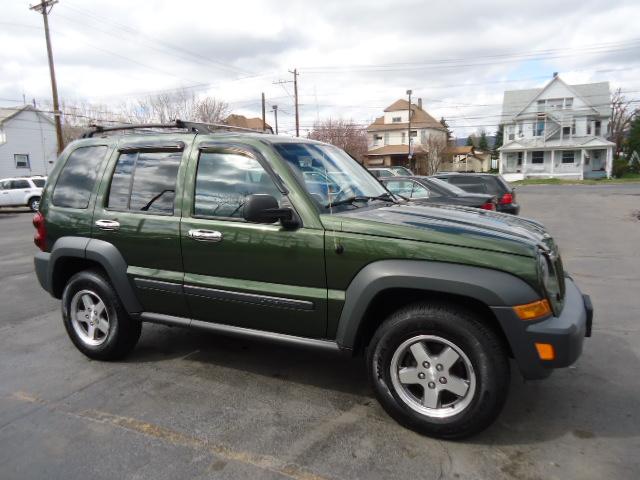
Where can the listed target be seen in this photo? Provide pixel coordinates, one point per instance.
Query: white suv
(21, 191)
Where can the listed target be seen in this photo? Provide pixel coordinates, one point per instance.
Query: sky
(354, 57)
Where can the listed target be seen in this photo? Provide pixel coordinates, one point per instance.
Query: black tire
(123, 332)
(34, 204)
(483, 348)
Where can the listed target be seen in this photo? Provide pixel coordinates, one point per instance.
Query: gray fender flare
(103, 253)
(491, 287)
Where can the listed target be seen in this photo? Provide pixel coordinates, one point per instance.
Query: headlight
(543, 269)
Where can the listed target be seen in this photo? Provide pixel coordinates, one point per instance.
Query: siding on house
(27, 132)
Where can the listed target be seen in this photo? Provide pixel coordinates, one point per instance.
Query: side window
(399, 187)
(224, 180)
(78, 177)
(18, 184)
(145, 182)
(419, 191)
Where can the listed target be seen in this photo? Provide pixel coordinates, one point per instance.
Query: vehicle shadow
(585, 401)
(327, 370)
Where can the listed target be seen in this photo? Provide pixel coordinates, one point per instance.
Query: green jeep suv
(293, 241)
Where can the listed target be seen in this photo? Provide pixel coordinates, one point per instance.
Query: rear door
(138, 212)
(260, 276)
(5, 193)
(20, 190)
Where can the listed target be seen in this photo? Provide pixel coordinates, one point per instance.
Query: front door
(5, 193)
(260, 276)
(137, 212)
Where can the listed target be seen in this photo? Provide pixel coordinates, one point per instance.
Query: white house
(557, 131)
(389, 135)
(28, 144)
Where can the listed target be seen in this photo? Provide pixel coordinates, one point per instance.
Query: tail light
(40, 237)
(488, 206)
(507, 198)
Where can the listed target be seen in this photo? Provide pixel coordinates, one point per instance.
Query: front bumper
(565, 333)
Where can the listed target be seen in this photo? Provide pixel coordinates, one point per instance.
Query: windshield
(330, 175)
(447, 186)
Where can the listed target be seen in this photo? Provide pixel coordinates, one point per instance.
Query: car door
(259, 276)
(137, 211)
(5, 193)
(19, 190)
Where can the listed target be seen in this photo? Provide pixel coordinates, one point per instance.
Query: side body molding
(491, 287)
(100, 252)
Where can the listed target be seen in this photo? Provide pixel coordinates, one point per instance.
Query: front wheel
(439, 370)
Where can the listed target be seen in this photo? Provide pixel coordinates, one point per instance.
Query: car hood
(447, 224)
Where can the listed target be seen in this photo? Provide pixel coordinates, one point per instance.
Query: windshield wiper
(360, 198)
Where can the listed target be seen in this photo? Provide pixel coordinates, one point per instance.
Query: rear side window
(145, 182)
(38, 182)
(78, 177)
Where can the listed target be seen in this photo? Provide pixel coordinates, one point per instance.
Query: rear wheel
(95, 319)
(34, 203)
(438, 370)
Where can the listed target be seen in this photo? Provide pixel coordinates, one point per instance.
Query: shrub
(619, 168)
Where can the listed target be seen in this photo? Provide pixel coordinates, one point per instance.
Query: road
(189, 404)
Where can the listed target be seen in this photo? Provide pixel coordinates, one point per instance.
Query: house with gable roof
(388, 136)
(557, 131)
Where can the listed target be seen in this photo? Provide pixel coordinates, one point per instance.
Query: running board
(231, 330)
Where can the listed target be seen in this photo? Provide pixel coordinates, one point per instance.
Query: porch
(558, 163)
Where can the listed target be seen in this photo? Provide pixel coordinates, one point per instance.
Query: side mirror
(263, 208)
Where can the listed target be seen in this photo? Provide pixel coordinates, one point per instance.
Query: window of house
(3, 137)
(520, 130)
(396, 119)
(225, 180)
(541, 105)
(538, 128)
(404, 137)
(588, 126)
(21, 160)
(597, 127)
(414, 133)
(566, 131)
(78, 177)
(555, 103)
(537, 157)
(573, 126)
(568, 102)
(386, 138)
(568, 156)
(510, 134)
(377, 139)
(520, 156)
(145, 182)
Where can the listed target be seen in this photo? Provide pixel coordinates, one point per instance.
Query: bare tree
(622, 115)
(342, 133)
(435, 148)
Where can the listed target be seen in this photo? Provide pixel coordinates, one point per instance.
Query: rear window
(488, 184)
(145, 182)
(78, 177)
(38, 182)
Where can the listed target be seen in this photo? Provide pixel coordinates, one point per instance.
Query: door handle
(109, 225)
(205, 235)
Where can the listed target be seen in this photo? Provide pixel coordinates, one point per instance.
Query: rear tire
(438, 370)
(95, 319)
(34, 204)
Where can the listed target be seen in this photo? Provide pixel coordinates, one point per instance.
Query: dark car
(226, 231)
(485, 183)
(434, 190)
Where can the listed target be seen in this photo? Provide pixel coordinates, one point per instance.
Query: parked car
(217, 230)
(380, 172)
(21, 192)
(485, 183)
(434, 190)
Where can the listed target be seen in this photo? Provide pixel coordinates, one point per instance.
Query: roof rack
(196, 127)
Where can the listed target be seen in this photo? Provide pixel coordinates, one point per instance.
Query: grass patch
(628, 178)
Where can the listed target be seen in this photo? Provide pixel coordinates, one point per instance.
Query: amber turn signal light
(533, 310)
(545, 351)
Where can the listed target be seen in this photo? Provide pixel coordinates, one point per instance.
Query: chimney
(420, 103)
(555, 74)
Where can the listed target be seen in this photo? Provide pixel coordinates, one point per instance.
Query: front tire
(438, 370)
(95, 319)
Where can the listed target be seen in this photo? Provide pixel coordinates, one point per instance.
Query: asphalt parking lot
(193, 405)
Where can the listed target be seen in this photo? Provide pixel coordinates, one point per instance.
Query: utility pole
(295, 96)
(264, 115)
(44, 7)
(275, 112)
(409, 92)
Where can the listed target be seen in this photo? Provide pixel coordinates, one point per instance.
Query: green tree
(633, 140)
(483, 144)
(499, 138)
(470, 141)
(445, 125)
